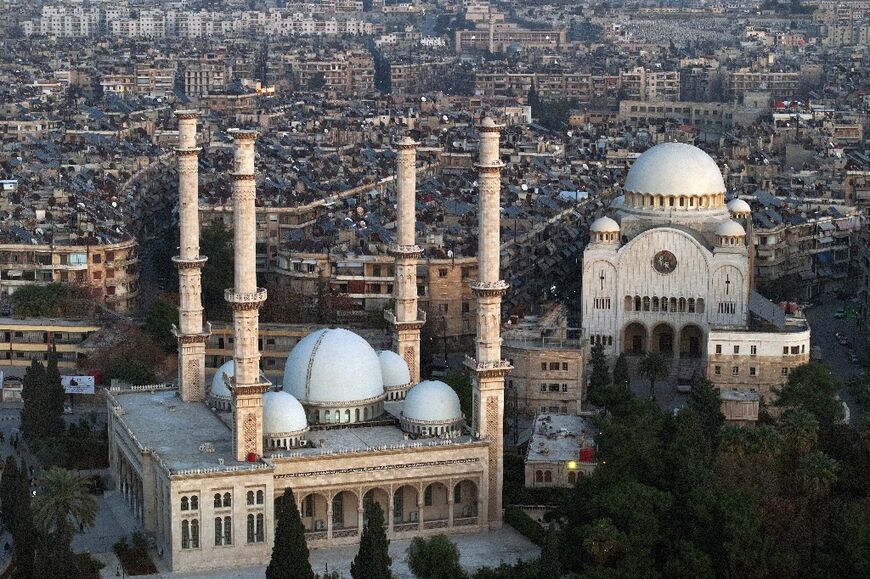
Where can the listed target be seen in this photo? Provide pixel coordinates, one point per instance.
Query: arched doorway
(435, 505)
(691, 341)
(344, 511)
(663, 340)
(464, 501)
(405, 510)
(313, 511)
(634, 339)
(379, 496)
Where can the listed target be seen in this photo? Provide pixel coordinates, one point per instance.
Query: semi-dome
(739, 206)
(394, 369)
(432, 401)
(218, 385)
(675, 169)
(604, 225)
(282, 414)
(730, 229)
(333, 366)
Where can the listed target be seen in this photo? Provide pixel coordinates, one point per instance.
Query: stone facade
(546, 376)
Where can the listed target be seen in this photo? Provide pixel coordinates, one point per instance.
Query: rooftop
(559, 437)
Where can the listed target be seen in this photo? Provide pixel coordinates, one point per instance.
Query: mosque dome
(432, 401)
(333, 366)
(604, 225)
(739, 206)
(617, 202)
(675, 169)
(282, 414)
(219, 387)
(396, 374)
(730, 229)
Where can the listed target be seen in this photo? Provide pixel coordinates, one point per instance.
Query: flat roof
(735, 395)
(559, 437)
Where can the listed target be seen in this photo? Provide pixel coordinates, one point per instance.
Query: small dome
(432, 401)
(394, 369)
(604, 225)
(730, 229)
(333, 366)
(218, 385)
(739, 206)
(675, 169)
(487, 122)
(282, 414)
(618, 202)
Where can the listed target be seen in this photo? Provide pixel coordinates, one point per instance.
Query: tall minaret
(245, 299)
(406, 322)
(191, 334)
(488, 368)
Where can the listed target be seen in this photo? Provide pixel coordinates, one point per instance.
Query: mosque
(671, 272)
(200, 468)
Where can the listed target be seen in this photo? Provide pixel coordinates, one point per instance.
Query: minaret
(191, 334)
(488, 368)
(245, 299)
(405, 320)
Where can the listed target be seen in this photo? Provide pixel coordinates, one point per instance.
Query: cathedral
(671, 272)
(200, 465)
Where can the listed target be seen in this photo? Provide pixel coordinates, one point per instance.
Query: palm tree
(63, 505)
(653, 367)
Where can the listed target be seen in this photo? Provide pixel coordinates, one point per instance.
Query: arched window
(185, 534)
(194, 534)
(572, 477)
(218, 531)
(673, 304)
(251, 528)
(228, 500)
(228, 530)
(663, 304)
(539, 476)
(356, 412)
(691, 305)
(655, 303)
(699, 305)
(217, 500)
(682, 305)
(250, 497)
(637, 303)
(548, 476)
(260, 535)
(185, 504)
(260, 497)
(646, 303)
(628, 303)
(194, 503)
(347, 415)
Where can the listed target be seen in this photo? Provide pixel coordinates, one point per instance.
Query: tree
(290, 551)
(621, 375)
(550, 564)
(23, 533)
(216, 243)
(317, 82)
(813, 388)
(63, 505)
(600, 372)
(159, 320)
(134, 359)
(704, 400)
(434, 558)
(373, 560)
(653, 367)
(32, 391)
(8, 488)
(52, 398)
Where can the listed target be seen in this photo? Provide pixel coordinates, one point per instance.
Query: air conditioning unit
(414, 517)
(319, 525)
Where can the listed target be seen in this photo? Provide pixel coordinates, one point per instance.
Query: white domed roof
(218, 386)
(604, 225)
(730, 229)
(333, 365)
(432, 400)
(739, 206)
(675, 169)
(394, 369)
(282, 413)
(618, 202)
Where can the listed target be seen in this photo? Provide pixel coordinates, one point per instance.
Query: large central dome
(675, 169)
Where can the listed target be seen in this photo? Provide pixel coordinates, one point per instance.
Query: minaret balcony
(254, 298)
(192, 263)
(501, 367)
(405, 250)
(390, 317)
(495, 288)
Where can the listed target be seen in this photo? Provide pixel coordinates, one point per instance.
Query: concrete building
(26, 340)
(560, 452)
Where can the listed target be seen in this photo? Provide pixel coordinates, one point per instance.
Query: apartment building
(780, 85)
(204, 78)
(498, 39)
(23, 341)
(650, 85)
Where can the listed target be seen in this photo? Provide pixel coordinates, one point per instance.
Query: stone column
(191, 334)
(488, 368)
(450, 505)
(328, 517)
(421, 504)
(406, 320)
(360, 514)
(245, 298)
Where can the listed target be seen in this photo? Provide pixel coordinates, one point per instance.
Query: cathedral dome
(219, 387)
(730, 229)
(739, 207)
(282, 414)
(432, 401)
(333, 366)
(675, 169)
(604, 225)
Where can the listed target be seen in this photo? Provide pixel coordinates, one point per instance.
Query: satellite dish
(450, 253)
(524, 187)
(444, 118)
(423, 99)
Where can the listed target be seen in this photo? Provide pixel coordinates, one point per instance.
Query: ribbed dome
(675, 169)
(333, 365)
(432, 400)
(730, 229)
(739, 206)
(282, 414)
(604, 225)
(394, 369)
(218, 386)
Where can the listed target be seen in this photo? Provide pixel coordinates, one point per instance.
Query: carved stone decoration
(194, 378)
(249, 431)
(494, 433)
(408, 355)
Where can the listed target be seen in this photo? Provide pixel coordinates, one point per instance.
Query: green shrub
(525, 525)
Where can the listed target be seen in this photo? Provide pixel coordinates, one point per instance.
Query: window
(785, 371)
(572, 477)
(601, 303)
(190, 534)
(427, 496)
(785, 350)
(185, 504)
(308, 506)
(466, 307)
(218, 531)
(539, 476)
(250, 497)
(217, 500)
(98, 275)
(97, 258)
(736, 349)
(442, 272)
(548, 476)
(260, 497)
(457, 493)
(718, 348)
(228, 500)
(543, 387)
(554, 387)
(564, 387)
(228, 530)
(543, 366)
(443, 307)
(752, 371)
(735, 371)
(753, 350)
(554, 366)
(564, 366)
(795, 350)
(717, 370)
(194, 503)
